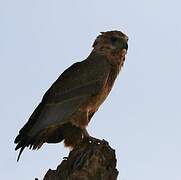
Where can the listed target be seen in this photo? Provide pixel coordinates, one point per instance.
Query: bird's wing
(74, 86)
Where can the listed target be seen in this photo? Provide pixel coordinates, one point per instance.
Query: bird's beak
(124, 51)
(125, 48)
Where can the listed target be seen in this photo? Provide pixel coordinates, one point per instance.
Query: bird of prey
(69, 104)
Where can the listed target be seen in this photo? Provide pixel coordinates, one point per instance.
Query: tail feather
(26, 141)
(17, 139)
(20, 152)
(48, 135)
(71, 135)
(22, 141)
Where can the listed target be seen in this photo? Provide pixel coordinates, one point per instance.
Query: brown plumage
(72, 100)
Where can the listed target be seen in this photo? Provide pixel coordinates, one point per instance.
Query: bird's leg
(85, 132)
(89, 138)
(86, 135)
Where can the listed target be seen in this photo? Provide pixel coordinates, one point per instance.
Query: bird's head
(112, 44)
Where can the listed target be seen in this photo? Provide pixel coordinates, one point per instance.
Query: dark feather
(75, 85)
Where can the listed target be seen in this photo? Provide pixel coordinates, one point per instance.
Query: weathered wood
(89, 161)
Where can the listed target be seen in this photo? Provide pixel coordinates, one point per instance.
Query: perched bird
(69, 104)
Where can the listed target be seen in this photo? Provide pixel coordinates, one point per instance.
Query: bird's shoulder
(92, 70)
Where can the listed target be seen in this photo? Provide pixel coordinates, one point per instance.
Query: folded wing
(74, 86)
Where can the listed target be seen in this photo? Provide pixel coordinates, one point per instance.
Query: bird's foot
(92, 140)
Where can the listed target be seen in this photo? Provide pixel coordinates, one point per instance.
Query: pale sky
(141, 118)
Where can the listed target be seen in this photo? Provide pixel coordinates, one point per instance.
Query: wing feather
(74, 86)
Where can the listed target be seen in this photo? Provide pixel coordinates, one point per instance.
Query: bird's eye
(114, 39)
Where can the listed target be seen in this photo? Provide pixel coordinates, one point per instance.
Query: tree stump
(89, 161)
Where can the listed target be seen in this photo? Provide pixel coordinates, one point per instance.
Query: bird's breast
(99, 98)
(82, 117)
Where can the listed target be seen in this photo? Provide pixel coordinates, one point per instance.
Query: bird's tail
(21, 142)
(20, 152)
